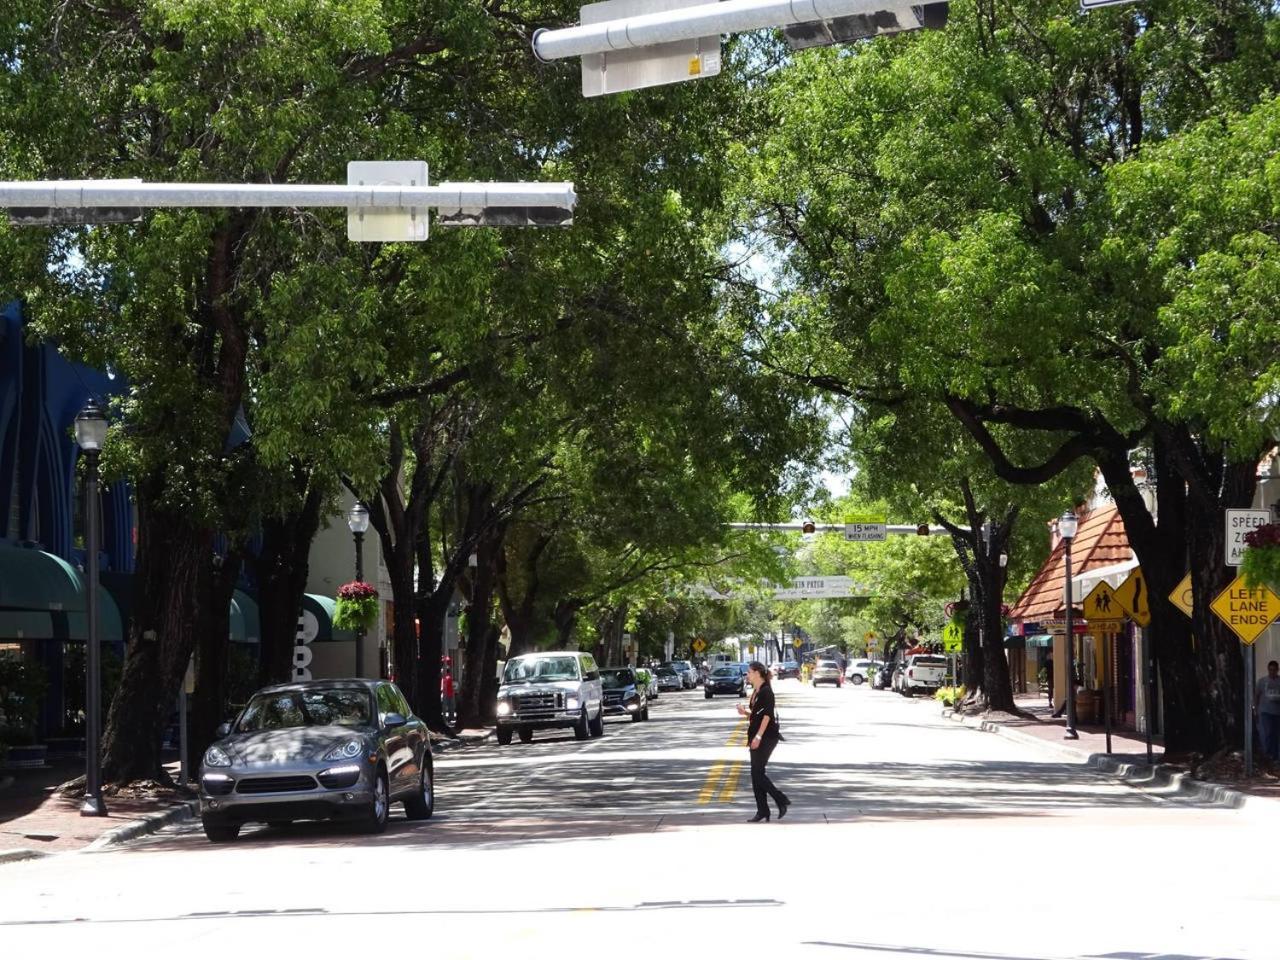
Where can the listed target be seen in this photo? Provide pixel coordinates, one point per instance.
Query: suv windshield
(828, 665)
(725, 672)
(665, 672)
(527, 669)
(306, 708)
(616, 679)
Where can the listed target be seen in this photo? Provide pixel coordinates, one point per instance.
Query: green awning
(31, 579)
(64, 626)
(244, 618)
(110, 623)
(1040, 640)
(320, 609)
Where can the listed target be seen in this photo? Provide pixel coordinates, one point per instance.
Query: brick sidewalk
(1126, 745)
(32, 817)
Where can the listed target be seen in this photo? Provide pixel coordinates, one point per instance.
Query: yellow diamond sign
(1132, 595)
(699, 645)
(1101, 604)
(1182, 597)
(1247, 612)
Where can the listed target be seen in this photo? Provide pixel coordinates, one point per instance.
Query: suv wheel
(857, 680)
(504, 736)
(220, 831)
(582, 729)
(422, 804)
(375, 820)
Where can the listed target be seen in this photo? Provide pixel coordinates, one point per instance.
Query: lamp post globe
(1068, 525)
(91, 434)
(358, 523)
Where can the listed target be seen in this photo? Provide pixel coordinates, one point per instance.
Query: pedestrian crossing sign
(1101, 604)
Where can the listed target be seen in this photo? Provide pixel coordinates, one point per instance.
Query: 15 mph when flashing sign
(1247, 612)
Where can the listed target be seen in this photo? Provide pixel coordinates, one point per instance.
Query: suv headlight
(216, 757)
(345, 751)
(571, 703)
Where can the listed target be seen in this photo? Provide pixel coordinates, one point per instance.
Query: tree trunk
(480, 632)
(209, 701)
(172, 595)
(1219, 652)
(1161, 550)
(282, 567)
(565, 619)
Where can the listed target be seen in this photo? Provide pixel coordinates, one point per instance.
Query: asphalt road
(909, 836)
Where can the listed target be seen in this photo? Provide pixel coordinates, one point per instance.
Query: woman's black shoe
(758, 817)
(783, 807)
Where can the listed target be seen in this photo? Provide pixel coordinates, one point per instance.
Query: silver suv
(547, 690)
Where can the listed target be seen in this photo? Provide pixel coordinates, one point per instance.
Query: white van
(550, 690)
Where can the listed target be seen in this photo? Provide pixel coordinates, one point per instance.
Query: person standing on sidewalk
(1266, 701)
(762, 736)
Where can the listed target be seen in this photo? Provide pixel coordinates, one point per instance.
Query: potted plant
(357, 606)
(1260, 565)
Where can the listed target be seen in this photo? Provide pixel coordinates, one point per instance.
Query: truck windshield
(528, 669)
(930, 661)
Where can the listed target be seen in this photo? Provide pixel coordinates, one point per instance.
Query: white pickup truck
(920, 671)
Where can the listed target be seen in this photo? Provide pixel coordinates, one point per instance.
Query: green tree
(981, 217)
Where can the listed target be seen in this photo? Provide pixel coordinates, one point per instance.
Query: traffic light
(809, 527)
(922, 529)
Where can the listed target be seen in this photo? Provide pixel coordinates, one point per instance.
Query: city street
(909, 836)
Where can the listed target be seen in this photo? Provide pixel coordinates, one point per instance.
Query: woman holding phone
(762, 736)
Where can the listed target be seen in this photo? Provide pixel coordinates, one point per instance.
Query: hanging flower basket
(1260, 565)
(357, 607)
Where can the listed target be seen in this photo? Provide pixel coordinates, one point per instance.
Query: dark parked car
(624, 693)
(317, 750)
(785, 669)
(726, 680)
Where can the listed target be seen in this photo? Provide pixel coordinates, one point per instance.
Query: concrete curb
(144, 825)
(440, 746)
(22, 853)
(1139, 775)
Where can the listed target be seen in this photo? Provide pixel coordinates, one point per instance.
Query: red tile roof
(1100, 541)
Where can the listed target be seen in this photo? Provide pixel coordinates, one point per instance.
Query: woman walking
(762, 736)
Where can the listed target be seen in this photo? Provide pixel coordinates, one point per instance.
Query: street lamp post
(91, 433)
(358, 523)
(1067, 526)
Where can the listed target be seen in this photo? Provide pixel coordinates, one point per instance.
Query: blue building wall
(40, 395)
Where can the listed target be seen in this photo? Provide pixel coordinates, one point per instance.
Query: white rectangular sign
(662, 63)
(393, 224)
(1087, 5)
(1240, 522)
(819, 588)
(866, 532)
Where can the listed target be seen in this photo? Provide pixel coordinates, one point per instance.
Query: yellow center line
(719, 767)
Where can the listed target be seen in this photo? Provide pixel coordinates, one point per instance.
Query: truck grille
(536, 706)
(275, 784)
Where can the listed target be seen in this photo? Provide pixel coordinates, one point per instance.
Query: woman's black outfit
(761, 785)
